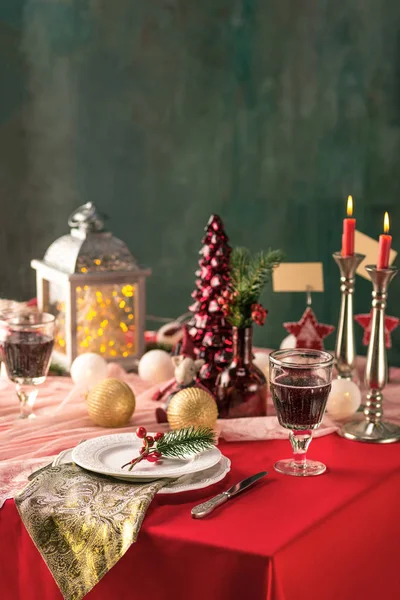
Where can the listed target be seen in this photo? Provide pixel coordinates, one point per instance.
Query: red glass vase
(241, 389)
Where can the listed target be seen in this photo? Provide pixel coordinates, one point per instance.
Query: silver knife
(205, 508)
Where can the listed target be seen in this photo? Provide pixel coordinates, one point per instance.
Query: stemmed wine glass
(300, 385)
(26, 347)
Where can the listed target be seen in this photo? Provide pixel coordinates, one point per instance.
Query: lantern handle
(86, 218)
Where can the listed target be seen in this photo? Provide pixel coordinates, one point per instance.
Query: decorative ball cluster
(258, 314)
(225, 300)
(147, 452)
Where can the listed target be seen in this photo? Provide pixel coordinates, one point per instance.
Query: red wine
(300, 401)
(27, 355)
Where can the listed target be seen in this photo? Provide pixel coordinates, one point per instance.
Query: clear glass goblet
(26, 347)
(4, 315)
(300, 381)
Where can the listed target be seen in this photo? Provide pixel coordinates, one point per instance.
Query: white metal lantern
(90, 281)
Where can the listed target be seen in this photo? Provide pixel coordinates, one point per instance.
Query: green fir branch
(188, 440)
(249, 275)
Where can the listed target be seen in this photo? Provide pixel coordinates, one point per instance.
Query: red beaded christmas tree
(210, 332)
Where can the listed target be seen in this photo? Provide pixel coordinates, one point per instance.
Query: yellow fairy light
(111, 344)
(79, 328)
(129, 345)
(130, 316)
(125, 354)
(113, 353)
(84, 344)
(122, 304)
(61, 343)
(86, 330)
(86, 287)
(79, 289)
(98, 293)
(123, 327)
(97, 261)
(127, 291)
(84, 270)
(104, 323)
(115, 294)
(100, 332)
(102, 348)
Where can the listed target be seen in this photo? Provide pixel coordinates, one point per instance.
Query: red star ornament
(308, 332)
(366, 321)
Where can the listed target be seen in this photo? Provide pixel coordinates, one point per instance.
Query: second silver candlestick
(345, 349)
(372, 427)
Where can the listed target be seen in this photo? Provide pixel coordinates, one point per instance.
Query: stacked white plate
(106, 455)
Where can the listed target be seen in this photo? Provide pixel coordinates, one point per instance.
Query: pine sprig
(176, 444)
(188, 440)
(260, 269)
(249, 275)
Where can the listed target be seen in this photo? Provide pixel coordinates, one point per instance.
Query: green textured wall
(163, 111)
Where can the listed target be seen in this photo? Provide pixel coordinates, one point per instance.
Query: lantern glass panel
(106, 319)
(55, 305)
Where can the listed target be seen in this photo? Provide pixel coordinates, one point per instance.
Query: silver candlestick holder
(371, 427)
(345, 349)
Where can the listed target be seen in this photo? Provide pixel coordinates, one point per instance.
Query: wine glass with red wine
(26, 347)
(300, 384)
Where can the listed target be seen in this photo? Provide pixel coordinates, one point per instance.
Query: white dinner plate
(107, 454)
(186, 483)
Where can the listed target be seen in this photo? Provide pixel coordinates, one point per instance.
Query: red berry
(226, 294)
(159, 436)
(149, 440)
(152, 458)
(157, 454)
(141, 432)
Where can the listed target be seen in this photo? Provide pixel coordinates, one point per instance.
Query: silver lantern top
(89, 247)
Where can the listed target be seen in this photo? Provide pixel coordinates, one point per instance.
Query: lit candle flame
(386, 223)
(350, 206)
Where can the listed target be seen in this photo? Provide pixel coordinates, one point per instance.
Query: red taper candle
(385, 242)
(349, 228)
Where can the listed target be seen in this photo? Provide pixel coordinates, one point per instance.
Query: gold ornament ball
(192, 406)
(111, 403)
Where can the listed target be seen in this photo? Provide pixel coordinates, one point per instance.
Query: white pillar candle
(344, 399)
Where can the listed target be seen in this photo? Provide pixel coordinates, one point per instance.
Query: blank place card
(298, 277)
(368, 246)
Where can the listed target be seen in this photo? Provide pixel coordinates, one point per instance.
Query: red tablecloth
(333, 537)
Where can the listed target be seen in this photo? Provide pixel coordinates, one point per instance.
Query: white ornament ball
(170, 334)
(156, 366)
(261, 360)
(344, 399)
(288, 342)
(87, 369)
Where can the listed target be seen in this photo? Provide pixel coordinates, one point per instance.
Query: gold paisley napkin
(82, 523)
